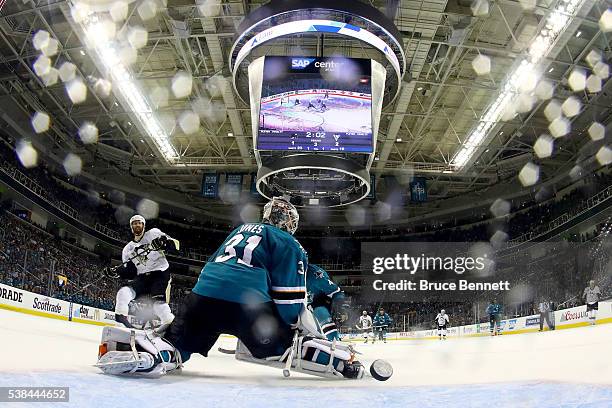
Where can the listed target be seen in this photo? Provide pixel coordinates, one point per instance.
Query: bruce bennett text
(425, 285)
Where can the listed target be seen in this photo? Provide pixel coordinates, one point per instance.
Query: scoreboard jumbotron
(316, 104)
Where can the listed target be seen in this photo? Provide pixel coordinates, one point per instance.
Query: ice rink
(566, 368)
(342, 114)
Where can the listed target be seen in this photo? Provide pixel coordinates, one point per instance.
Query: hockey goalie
(254, 288)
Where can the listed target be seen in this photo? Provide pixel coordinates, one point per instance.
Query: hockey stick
(147, 250)
(286, 370)
(226, 351)
(86, 286)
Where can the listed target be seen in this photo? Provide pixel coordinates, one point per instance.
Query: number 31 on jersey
(230, 249)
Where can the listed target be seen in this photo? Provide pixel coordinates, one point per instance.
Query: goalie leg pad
(128, 351)
(307, 323)
(327, 359)
(312, 356)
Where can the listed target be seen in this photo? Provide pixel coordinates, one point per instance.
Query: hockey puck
(381, 370)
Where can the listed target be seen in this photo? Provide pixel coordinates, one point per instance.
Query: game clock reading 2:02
(316, 104)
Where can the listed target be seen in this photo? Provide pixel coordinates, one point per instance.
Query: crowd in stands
(342, 248)
(34, 260)
(531, 217)
(111, 209)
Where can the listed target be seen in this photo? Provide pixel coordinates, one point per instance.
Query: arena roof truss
(441, 102)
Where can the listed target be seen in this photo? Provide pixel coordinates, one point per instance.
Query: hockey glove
(111, 272)
(124, 271)
(159, 243)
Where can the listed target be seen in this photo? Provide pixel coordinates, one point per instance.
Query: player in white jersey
(145, 263)
(365, 325)
(591, 295)
(442, 321)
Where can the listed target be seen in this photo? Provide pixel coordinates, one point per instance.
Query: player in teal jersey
(254, 287)
(324, 296)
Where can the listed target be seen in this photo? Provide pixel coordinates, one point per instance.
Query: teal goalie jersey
(258, 263)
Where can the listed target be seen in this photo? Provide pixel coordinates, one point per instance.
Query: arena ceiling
(441, 102)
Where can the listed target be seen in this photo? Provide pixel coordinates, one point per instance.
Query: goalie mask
(136, 229)
(282, 214)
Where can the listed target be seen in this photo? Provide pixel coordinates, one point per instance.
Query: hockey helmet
(282, 214)
(442, 311)
(140, 218)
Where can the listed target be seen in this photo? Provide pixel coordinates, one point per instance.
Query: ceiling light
(106, 52)
(551, 69)
(579, 33)
(230, 134)
(556, 22)
(82, 52)
(399, 139)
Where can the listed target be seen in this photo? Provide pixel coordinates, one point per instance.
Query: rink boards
(564, 319)
(32, 303)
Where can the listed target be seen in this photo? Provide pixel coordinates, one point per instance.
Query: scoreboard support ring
(310, 175)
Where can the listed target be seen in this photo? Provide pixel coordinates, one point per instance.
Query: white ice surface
(566, 368)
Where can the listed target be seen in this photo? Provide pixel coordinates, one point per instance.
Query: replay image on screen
(316, 104)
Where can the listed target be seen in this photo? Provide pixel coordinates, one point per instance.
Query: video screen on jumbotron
(316, 104)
